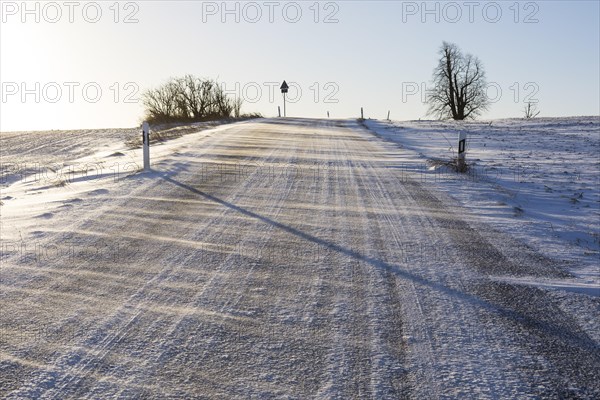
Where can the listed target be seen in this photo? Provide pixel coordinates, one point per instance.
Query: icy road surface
(277, 259)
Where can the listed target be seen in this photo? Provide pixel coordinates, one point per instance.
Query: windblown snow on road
(535, 179)
(287, 258)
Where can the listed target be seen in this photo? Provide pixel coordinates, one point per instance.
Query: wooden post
(279, 111)
(362, 115)
(146, 145)
(388, 118)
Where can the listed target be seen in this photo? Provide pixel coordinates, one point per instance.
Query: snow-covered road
(287, 258)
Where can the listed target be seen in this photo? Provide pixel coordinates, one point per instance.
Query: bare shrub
(189, 99)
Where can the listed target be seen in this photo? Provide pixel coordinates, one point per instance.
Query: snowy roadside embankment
(44, 174)
(538, 180)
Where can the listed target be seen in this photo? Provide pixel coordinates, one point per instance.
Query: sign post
(284, 89)
(462, 147)
(146, 145)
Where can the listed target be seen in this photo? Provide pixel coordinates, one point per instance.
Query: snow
(293, 258)
(52, 170)
(535, 179)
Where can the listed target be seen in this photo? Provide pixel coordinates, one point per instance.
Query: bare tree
(459, 85)
(190, 99)
(162, 103)
(188, 96)
(195, 95)
(531, 110)
(237, 107)
(222, 105)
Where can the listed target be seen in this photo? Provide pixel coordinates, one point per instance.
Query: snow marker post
(146, 145)
(462, 147)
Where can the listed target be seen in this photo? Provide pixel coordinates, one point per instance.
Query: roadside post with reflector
(462, 147)
(146, 145)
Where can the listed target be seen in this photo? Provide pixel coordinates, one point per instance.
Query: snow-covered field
(299, 258)
(538, 180)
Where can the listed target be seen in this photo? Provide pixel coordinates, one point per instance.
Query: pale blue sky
(374, 56)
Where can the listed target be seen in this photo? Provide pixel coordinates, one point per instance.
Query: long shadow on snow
(581, 341)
